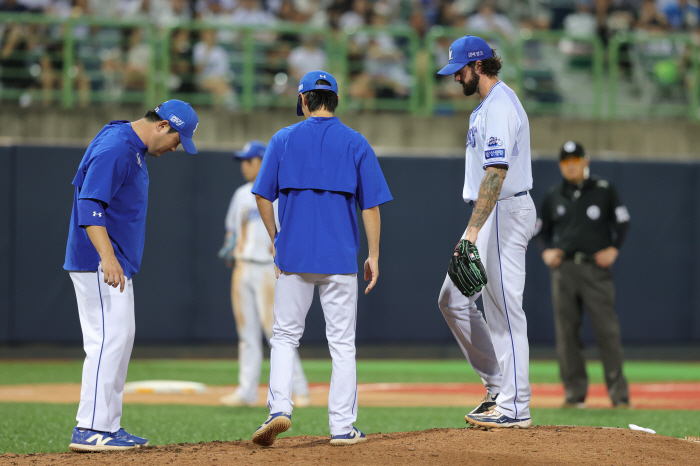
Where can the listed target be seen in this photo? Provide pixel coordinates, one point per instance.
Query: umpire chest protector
(320, 153)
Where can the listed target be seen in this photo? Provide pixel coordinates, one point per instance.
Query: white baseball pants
(252, 297)
(107, 321)
(293, 295)
(505, 366)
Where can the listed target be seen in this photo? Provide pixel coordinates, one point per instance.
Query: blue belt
(521, 193)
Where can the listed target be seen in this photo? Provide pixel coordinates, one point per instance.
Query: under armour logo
(450, 55)
(322, 76)
(96, 214)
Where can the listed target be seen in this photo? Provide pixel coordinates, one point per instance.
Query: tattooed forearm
(488, 195)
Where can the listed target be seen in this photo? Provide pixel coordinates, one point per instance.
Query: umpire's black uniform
(581, 220)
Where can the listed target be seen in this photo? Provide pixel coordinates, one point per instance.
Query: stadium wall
(666, 139)
(182, 290)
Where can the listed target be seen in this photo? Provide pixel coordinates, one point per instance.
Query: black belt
(521, 193)
(580, 257)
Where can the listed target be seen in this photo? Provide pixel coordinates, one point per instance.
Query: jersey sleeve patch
(622, 214)
(494, 142)
(490, 154)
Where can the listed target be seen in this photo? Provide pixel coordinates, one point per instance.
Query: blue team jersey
(113, 171)
(320, 170)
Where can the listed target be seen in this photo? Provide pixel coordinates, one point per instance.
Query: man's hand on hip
(605, 258)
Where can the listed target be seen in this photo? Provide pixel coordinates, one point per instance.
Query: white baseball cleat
(302, 401)
(355, 436)
(233, 400)
(487, 403)
(495, 418)
(275, 424)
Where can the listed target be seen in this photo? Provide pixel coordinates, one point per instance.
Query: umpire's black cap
(571, 149)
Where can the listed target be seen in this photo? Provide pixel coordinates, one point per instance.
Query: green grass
(39, 427)
(224, 372)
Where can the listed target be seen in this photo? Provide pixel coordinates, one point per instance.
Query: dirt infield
(539, 445)
(643, 396)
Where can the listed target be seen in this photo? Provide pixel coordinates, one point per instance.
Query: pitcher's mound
(536, 446)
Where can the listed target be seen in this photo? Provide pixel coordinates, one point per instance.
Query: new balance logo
(100, 440)
(97, 214)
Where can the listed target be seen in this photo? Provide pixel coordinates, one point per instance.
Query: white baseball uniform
(252, 294)
(495, 342)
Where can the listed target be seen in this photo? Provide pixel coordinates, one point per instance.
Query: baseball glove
(226, 252)
(466, 270)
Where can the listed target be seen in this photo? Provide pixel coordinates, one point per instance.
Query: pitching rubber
(79, 448)
(266, 435)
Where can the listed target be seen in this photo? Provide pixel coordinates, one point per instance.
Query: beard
(471, 86)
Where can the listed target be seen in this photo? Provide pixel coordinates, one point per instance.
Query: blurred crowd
(115, 61)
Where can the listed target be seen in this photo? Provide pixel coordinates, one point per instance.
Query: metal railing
(635, 75)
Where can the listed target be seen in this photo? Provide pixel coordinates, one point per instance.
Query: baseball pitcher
(490, 258)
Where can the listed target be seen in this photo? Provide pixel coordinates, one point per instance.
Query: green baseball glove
(466, 270)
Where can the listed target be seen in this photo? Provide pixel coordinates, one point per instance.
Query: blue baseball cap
(251, 150)
(183, 118)
(464, 51)
(308, 83)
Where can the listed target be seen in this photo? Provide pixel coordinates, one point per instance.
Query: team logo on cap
(450, 58)
(177, 121)
(478, 53)
(301, 87)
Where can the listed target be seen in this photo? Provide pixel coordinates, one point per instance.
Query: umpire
(583, 225)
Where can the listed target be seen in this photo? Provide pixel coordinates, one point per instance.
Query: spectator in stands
(16, 42)
(312, 12)
(308, 56)
(618, 15)
(212, 69)
(650, 18)
(487, 19)
(250, 13)
(582, 23)
(181, 79)
(138, 57)
(12, 6)
(211, 9)
(384, 72)
(681, 14)
(355, 18)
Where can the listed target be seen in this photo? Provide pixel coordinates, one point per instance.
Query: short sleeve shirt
(499, 134)
(112, 171)
(321, 171)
